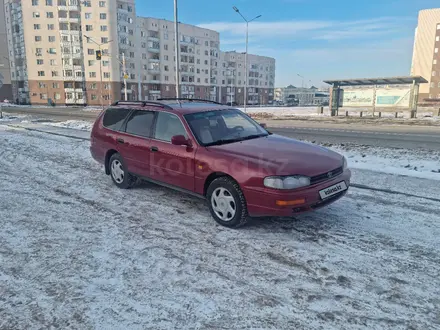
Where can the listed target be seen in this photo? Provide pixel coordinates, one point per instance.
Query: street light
(302, 83)
(246, 55)
(100, 65)
(177, 50)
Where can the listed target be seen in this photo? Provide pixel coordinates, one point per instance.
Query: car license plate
(333, 190)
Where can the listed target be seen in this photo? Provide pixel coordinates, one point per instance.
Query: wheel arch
(211, 177)
(108, 155)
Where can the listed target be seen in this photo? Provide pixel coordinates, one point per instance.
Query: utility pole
(246, 70)
(177, 50)
(125, 75)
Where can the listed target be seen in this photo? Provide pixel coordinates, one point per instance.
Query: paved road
(383, 135)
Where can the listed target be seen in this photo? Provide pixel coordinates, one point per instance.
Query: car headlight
(286, 182)
(345, 164)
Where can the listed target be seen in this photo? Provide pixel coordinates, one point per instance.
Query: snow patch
(73, 124)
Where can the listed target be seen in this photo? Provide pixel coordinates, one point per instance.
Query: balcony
(154, 71)
(71, 32)
(151, 38)
(154, 50)
(70, 55)
(154, 60)
(153, 81)
(154, 92)
(70, 8)
(73, 78)
(69, 19)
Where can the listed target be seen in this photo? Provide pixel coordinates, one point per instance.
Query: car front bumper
(263, 201)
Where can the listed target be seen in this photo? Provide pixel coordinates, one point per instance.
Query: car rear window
(114, 117)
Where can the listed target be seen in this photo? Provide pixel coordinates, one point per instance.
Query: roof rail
(143, 103)
(187, 99)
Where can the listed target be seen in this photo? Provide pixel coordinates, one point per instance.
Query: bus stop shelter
(374, 83)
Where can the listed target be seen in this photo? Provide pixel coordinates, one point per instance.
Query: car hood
(279, 155)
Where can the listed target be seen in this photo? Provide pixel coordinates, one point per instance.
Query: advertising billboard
(386, 97)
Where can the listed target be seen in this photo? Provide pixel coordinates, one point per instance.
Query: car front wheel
(227, 202)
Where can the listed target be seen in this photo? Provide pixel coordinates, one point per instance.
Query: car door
(134, 141)
(171, 164)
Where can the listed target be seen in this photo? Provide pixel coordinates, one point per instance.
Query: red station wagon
(218, 153)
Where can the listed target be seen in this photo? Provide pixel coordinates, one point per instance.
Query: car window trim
(124, 125)
(155, 122)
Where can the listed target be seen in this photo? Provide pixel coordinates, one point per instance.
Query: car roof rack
(188, 100)
(142, 103)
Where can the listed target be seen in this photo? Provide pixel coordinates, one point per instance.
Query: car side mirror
(180, 140)
(263, 125)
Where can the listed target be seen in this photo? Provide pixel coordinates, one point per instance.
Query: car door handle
(154, 149)
(119, 140)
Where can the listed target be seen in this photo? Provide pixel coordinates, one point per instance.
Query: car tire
(225, 196)
(119, 173)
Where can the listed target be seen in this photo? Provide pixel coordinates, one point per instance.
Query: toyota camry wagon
(218, 153)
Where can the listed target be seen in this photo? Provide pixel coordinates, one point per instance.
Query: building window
(198, 80)
(104, 40)
(437, 38)
(57, 96)
(41, 85)
(102, 4)
(105, 63)
(433, 73)
(87, 4)
(438, 26)
(107, 75)
(93, 96)
(166, 78)
(166, 68)
(54, 73)
(55, 85)
(51, 38)
(106, 86)
(438, 85)
(40, 73)
(43, 96)
(91, 62)
(37, 38)
(92, 74)
(436, 50)
(93, 86)
(198, 61)
(49, 14)
(165, 47)
(206, 52)
(102, 16)
(36, 15)
(130, 9)
(206, 80)
(88, 15)
(144, 56)
(34, 2)
(131, 54)
(89, 27)
(206, 62)
(51, 27)
(52, 51)
(40, 62)
(53, 62)
(49, 2)
(165, 57)
(37, 26)
(103, 28)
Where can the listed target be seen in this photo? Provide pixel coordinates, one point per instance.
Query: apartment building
(53, 44)
(232, 76)
(5, 72)
(426, 55)
(199, 57)
(52, 47)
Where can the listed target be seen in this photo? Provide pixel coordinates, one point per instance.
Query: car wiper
(219, 142)
(254, 136)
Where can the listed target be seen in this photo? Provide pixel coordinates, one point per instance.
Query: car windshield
(223, 126)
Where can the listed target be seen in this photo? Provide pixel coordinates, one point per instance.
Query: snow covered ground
(73, 124)
(78, 253)
(425, 114)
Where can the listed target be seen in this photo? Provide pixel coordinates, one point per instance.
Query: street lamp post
(246, 55)
(177, 50)
(302, 83)
(100, 66)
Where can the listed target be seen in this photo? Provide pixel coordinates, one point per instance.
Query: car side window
(140, 123)
(114, 117)
(168, 125)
